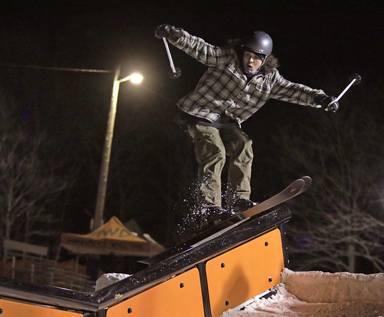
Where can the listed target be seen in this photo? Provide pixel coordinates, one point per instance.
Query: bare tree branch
(336, 225)
(28, 184)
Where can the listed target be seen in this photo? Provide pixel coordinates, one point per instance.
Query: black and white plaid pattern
(225, 90)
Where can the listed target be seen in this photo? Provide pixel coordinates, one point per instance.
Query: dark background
(319, 44)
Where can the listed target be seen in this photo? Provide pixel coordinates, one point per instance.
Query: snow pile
(305, 294)
(109, 279)
(334, 287)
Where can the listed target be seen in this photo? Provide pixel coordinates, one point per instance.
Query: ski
(297, 187)
(294, 189)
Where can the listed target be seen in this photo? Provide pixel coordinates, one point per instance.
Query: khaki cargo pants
(212, 147)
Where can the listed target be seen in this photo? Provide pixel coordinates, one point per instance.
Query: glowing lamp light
(134, 78)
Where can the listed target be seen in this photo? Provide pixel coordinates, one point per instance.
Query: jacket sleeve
(202, 51)
(288, 91)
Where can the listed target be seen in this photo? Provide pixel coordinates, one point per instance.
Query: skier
(239, 80)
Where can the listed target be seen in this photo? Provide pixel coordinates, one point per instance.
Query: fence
(30, 263)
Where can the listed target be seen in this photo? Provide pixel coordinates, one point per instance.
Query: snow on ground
(320, 294)
(109, 279)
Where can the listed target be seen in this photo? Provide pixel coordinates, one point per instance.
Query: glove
(167, 31)
(325, 102)
(162, 30)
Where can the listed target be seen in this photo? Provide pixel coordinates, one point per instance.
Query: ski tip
(307, 180)
(296, 187)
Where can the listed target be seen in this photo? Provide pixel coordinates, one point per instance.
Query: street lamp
(136, 79)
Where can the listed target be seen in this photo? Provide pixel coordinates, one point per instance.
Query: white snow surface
(109, 279)
(314, 293)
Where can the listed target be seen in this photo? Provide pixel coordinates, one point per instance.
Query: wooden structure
(30, 263)
(111, 238)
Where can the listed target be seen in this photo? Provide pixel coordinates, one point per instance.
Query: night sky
(318, 44)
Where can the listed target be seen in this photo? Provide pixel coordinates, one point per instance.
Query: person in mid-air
(239, 80)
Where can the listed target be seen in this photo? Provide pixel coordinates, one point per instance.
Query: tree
(28, 183)
(335, 224)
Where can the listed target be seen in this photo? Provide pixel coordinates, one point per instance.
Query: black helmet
(258, 42)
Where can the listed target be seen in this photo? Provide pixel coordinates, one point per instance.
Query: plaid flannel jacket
(225, 90)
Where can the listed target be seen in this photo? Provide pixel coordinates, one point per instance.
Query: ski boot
(214, 214)
(241, 205)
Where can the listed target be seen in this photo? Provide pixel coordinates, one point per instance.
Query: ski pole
(356, 79)
(175, 72)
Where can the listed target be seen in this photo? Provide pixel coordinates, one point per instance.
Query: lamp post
(134, 78)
